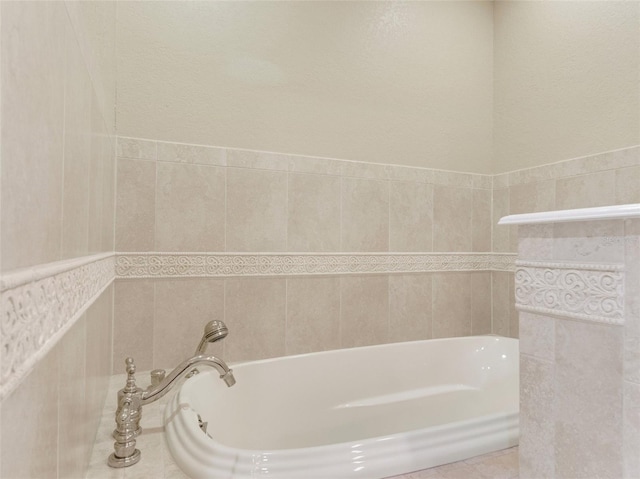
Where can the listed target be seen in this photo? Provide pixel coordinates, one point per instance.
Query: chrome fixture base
(115, 461)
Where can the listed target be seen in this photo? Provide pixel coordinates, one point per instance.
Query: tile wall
(609, 178)
(579, 355)
(178, 198)
(188, 198)
(57, 203)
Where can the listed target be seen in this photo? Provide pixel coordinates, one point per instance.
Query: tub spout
(154, 393)
(131, 399)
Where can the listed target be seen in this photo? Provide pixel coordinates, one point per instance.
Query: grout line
(226, 204)
(340, 339)
(64, 147)
(286, 315)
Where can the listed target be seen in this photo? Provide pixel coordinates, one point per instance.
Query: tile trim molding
(40, 304)
(207, 155)
(588, 292)
(216, 265)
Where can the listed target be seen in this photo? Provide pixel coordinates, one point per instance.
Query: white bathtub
(369, 412)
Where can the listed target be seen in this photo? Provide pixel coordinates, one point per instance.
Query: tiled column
(577, 290)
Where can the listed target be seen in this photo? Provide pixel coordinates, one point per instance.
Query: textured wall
(565, 80)
(179, 198)
(385, 82)
(58, 187)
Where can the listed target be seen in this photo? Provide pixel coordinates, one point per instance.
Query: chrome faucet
(131, 398)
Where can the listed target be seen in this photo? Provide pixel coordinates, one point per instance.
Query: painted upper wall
(386, 82)
(566, 80)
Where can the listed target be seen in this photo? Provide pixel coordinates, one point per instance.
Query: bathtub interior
(346, 395)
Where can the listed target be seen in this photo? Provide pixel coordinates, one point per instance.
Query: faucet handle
(131, 386)
(157, 375)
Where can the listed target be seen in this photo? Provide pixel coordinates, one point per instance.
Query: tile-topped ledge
(616, 212)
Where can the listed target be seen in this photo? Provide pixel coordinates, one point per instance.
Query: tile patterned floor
(496, 465)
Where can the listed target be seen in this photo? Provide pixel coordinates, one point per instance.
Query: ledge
(618, 212)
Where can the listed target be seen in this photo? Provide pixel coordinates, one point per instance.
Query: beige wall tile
(451, 304)
(532, 197)
(32, 64)
(481, 303)
(500, 233)
(410, 216)
(135, 205)
(97, 180)
(537, 428)
(108, 195)
(200, 155)
(535, 242)
(77, 152)
(190, 208)
(514, 320)
(313, 213)
(501, 298)
(182, 308)
(482, 181)
(133, 324)
(481, 220)
(29, 430)
(590, 241)
(588, 391)
(73, 455)
(137, 149)
(265, 160)
(94, 24)
(313, 315)
(407, 173)
(255, 310)
(537, 336)
(628, 185)
(452, 208)
(631, 421)
(529, 198)
(409, 307)
(364, 316)
(453, 178)
(256, 210)
(595, 189)
(500, 181)
(632, 302)
(358, 169)
(99, 359)
(612, 160)
(365, 215)
(320, 166)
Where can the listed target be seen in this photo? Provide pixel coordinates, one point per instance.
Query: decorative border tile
(199, 265)
(590, 292)
(39, 306)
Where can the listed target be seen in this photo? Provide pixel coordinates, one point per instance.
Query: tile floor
(496, 465)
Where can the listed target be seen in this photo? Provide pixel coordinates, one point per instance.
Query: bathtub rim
(243, 459)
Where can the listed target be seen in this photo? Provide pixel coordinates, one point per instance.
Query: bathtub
(368, 412)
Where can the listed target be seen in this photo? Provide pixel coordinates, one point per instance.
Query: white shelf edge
(582, 214)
